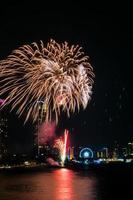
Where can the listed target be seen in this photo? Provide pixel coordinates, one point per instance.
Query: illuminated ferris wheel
(86, 153)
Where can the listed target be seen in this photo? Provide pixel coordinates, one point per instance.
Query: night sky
(105, 33)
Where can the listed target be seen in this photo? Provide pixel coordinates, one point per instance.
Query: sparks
(61, 144)
(59, 75)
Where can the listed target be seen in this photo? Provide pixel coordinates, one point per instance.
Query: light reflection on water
(73, 186)
(58, 184)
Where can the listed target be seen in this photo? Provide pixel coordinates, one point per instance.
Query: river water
(65, 184)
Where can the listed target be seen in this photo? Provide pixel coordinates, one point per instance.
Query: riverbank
(119, 166)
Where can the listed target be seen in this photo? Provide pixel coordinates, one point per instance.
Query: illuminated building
(124, 151)
(71, 153)
(102, 153)
(115, 154)
(116, 151)
(130, 148)
(3, 137)
(37, 147)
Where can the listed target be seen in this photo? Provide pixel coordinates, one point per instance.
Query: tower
(3, 137)
(41, 116)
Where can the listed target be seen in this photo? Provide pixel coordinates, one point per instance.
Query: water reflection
(59, 184)
(72, 185)
(64, 188)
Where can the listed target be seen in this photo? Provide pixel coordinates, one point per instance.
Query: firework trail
(61, 144)
(65, 146)
(59, 75)
(2, 101)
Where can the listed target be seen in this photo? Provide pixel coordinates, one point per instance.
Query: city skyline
(26, 144)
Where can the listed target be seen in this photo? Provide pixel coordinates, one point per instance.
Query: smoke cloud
(46, 132)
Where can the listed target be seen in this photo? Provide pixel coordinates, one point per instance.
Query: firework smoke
(52, 162)
(46, 132)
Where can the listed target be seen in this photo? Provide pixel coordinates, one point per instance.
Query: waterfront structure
(102, 153)
(86, 153)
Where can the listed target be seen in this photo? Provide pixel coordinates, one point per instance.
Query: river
(66, 184)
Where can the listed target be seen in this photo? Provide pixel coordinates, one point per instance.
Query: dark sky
(105, 33)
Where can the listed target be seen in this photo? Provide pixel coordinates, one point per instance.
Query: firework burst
(59, 75)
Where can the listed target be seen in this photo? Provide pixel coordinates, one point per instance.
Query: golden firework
(57, 74)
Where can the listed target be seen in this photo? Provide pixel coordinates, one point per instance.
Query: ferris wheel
(86, 153)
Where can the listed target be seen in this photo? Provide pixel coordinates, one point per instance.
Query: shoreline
(90, 167)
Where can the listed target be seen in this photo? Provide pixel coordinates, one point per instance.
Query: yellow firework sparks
(58, 75)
